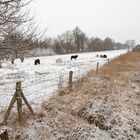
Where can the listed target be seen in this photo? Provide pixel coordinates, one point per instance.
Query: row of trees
(77, 41)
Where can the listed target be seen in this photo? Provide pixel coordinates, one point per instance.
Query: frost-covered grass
(39, 82)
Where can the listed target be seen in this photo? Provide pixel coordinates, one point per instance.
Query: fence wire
(47, 80)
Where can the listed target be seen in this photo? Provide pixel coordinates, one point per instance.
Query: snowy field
(39, 82)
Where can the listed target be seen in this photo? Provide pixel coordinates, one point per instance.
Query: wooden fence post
(19, 102)
(19, 109)
(4, 134)
(97, 67)
(0, 64)
(70, 78)
(108, 60)
(18, 96)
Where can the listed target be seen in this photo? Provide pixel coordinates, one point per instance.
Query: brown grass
(118, 67)
(122, 63)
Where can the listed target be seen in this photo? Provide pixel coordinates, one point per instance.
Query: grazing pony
(97, 55)
(74, 57)
(12, 60)
(59, 60)
(21, 59)
(37, 61)
(103, 56)
(4, 64)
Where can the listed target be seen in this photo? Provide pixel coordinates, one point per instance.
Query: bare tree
(131, 44)
(76, 34)
(12, 15)
(80, 39)
(108, 44)
(12, 19)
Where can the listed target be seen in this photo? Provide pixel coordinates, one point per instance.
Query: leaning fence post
(27, 103)
(3, 134)
(70, 78)
(7, 114)
(97, 67)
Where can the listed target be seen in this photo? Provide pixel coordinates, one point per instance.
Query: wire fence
(46, 81)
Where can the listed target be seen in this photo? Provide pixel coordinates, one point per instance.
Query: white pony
(5, 63)
(59, 61)
(97, 55)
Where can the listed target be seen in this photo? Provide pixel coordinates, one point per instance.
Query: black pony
(74, 57)
(21, 59)
(37, 61)
(103, 56)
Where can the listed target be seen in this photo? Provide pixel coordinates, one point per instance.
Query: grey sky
(118, 19)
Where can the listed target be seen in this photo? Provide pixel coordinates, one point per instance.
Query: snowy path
(41, 81)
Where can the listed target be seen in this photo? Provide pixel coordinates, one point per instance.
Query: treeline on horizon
(73, 41)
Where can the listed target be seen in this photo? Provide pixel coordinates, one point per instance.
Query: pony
(59, 60)
(37, 61)
(103, 56)
(97, 55)
(74, 57)
(21, 59)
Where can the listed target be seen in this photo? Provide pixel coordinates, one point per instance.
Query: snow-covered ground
(39, 82)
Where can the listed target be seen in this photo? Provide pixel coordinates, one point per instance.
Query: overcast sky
(118, 19)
